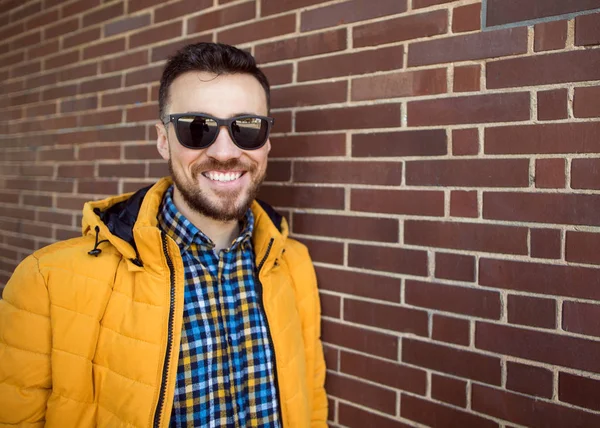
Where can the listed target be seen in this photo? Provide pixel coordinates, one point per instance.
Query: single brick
(450, 390)
(325, 251)
(466, 18)
(463, 363)
(360, 117)
(430, 142)
(357, 172)
(372, 342)
(359, 284)
(455, 266)
(578, 390)
(585, 102)
(400, 84)
(362, 393)
(465, 142)
(302, 197)
(467, 78)
(361, 228)
(330, 305)
(587, 30)
(529, 380)
(511, 11)
(550, 173)
(546, 243)
(449, 298)
(411, 202)
(552, 105)
(582, 318)
(258, 30)
(464, 203)
(585, 173)
(581, 247)
(271, 7)
(313, 44)
(538, 346)
(180, 8)
(314, 145)
(397, 260)
(532, 311)
(507, 107)
(127, 24)
(309, 95)
(550, 36)
(451, 330)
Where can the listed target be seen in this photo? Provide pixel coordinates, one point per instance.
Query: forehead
(222, 95)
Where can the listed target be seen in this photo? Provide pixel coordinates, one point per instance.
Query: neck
(221, 233)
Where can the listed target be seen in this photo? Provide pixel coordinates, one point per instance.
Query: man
(184, 304)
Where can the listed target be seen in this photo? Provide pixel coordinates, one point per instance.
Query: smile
(222, 177)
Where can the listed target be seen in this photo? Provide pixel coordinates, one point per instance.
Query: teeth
(218, 176)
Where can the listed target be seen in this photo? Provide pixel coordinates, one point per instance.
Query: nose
(223, 148)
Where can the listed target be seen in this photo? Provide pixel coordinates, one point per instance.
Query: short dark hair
(217, 58)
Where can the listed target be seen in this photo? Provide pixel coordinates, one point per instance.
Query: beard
(225, 206)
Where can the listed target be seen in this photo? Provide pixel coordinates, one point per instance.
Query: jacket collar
(129, 222)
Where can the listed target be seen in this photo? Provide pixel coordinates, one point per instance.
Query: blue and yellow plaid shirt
(225, 375)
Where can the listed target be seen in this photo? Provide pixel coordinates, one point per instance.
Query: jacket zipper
(163, 385)
(262, 307)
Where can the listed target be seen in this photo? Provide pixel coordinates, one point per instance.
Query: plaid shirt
(225, 375)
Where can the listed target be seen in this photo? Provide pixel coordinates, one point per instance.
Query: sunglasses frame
(174, 118)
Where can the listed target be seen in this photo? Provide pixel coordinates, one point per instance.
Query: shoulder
(70, 258)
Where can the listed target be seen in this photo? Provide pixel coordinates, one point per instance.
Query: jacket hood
(121, 220)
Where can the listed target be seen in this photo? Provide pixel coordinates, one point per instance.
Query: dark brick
(279, 171)
(395, 375)
(417, 4)
(361, 393)
(585, 174)
(550, 173)
(469, 173)
(550, 36)
(552, 105)
(411, 202)
(437, 416)
(451, 330)
(45, 49)
(61, 60)
(532, 311)
(586, 102)
(359, 228)
(180, 8)
(359, 284)
(581, 318)
(314, 145)
(80, 38)
(527, 411)
(574, 66)
(465, 142)
(546, 243)
(397, 260)
(308, 95)
(41, 19)
(430, 142)
(580, 391)
(98, 187)
(324, 251)
(128, 60)
(124, 97)
(155, 34)
(552, 138)
(470, 365)
(566, 208)
(384, 173)
(122, 170)
(271, 7)
(511, 11)
(464, 204)
(279, 74)
(163, 52)
(449, 390)
(127, 24)
(142, 152)
(529, 380)
(330, 305)
(80, 104)
(142, 113)
(146, 75)
(302, 197)
(105, 48)
(104, 14)
(388, 317)
(490, 44)
(401, 84)
(100, 84)
(62, 27)
(400, 29)
(313, 44)
(547, 279)
(354, 417)
(78, 7)
(539, 346)
(258, 30)
(507, 107)
(467, 78)
(95, 152)
(378, 344)
(347, 64)
(348, 12)
(587, 29)
(466, 18)
(135, 5)
(360, 117)
(221, 17)
(474, 302)
(455, 266)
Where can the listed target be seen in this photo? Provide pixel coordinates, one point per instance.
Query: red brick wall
(445, 179)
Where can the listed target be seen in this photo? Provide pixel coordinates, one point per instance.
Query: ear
(162, 140)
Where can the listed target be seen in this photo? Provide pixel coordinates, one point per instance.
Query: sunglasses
(199, 131)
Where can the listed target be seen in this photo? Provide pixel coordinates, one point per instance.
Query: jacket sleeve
(319, 411)
(25, 347)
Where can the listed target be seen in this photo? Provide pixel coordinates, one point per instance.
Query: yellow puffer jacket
(94, 341)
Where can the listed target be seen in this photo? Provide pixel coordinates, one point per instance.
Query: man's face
(222, 180)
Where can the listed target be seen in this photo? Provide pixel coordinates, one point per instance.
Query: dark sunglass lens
(196, 132)
(250, 133)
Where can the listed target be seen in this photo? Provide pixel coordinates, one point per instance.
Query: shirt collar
(184, 233)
